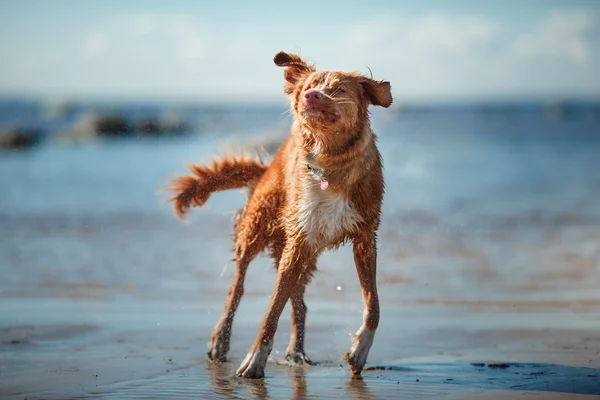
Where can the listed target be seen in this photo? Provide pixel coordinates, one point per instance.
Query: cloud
(405, 39)
(561, 35)
(143, 24)
(96, 44)
(429, 34)
(452, 56)
(152, 35)
(559, 54)
(425, 56)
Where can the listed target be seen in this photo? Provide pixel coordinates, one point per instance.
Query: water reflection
(220, 379)
(297, 376)
(226, 385)
(357, 388)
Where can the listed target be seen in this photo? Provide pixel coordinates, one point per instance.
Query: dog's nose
(313, 95)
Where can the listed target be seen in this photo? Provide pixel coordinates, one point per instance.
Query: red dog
(323, 188)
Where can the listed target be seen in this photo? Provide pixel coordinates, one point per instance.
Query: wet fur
(289, 215)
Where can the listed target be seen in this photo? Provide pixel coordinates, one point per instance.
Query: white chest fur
(325, 215)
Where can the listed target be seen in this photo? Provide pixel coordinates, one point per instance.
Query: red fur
(331, 140)
(237, 171)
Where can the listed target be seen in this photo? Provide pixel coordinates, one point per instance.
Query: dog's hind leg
(218, 345)
(250, 239)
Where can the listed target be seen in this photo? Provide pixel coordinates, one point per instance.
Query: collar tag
(320, 174)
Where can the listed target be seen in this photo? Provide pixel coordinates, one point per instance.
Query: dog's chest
(325, 216)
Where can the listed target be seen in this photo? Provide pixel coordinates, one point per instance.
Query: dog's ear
(379, 93)
(296, 69)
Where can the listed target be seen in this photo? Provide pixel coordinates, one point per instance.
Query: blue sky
(223, 50)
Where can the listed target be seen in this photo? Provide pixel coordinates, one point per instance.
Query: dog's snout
(313, 95)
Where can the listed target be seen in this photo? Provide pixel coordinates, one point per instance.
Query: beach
(488, 269)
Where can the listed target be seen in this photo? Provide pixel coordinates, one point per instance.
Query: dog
(323, 188)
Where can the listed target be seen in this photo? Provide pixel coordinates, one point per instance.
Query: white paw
(357, 356)
(253, 366)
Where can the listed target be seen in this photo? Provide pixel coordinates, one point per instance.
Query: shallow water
(489, 250)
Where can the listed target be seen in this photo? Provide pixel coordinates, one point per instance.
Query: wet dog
(323, 188)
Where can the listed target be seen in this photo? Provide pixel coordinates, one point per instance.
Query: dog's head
(330, 102)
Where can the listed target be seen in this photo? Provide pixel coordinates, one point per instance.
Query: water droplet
(339, 288)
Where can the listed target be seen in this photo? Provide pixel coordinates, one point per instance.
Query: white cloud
(96, 44)
(440, 33)
(450, 56)
(193, 47)
(561, 35)
(171, 55)
(426, 35)
(179, 35)
(426, 56)
(143, 24)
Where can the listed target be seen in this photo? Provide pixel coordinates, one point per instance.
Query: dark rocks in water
(491, 365)
(150, 127)
(19, 138)
(92, 126)
(170, 125)
(498, 365)
(112, 125)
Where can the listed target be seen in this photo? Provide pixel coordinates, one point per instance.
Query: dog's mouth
(311, 112)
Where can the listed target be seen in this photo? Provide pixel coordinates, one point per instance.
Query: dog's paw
(298, 358)
(253, 366)
(357, 356)
(218, 346)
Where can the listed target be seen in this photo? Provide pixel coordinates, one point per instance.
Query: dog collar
(320, 174)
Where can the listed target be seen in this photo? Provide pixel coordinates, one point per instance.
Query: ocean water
(96, 212)
(483, 212)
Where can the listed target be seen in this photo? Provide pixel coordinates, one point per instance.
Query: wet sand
(86, 361)
(472, 331)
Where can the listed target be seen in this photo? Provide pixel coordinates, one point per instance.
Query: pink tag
(324, 184)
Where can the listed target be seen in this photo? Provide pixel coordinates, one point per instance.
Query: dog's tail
(230, 172)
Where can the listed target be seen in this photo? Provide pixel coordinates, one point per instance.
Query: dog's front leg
(288, 273)
(365, 257)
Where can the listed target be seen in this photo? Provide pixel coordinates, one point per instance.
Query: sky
(223, 50)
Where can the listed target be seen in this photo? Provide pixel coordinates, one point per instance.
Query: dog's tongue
(324, 184)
